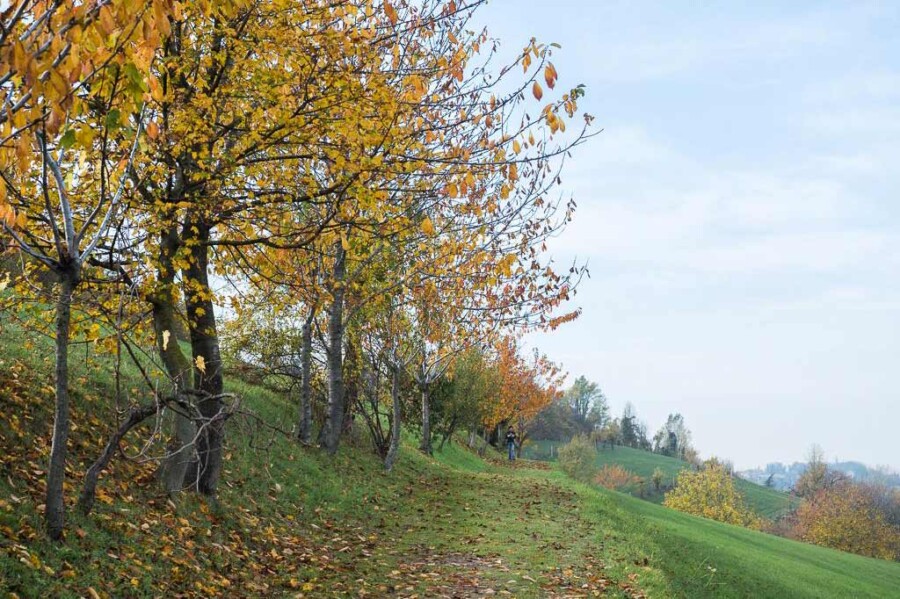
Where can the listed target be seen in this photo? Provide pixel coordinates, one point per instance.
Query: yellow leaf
(200, 361)
(537, 91)
(427, 226)
(165, 336)
(517, 147)
(94, 594)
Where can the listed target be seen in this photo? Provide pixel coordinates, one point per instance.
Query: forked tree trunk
(394, 447)
(305, 429)
(425, 445)
(335, 413)
(204, 344)
(55, 510)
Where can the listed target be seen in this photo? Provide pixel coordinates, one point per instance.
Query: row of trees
(352, 192)
(584, 410)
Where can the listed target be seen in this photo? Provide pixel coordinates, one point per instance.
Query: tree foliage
(348, 196)
(847, 516)
(673, 438)
(710, 493)
(578, 458)
(616, 477)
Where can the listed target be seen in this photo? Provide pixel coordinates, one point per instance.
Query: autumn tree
(846, 516)
(73, 75)
(470, 385)
(526, 386)
(817, 476)
(710, 492)
(609, 434)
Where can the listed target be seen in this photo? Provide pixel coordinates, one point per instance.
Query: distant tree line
(584, 410)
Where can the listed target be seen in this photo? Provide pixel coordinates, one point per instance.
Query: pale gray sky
(739, 214)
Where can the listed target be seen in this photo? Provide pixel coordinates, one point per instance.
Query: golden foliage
(711, 493)
(846, 517)
(615, 477)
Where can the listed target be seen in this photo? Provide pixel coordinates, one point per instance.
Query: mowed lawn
(699, 557)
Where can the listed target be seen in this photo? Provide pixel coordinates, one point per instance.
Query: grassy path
(293, 522)
(501, 532)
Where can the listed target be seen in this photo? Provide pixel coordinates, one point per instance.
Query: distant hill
(784, 476)
(770, 503)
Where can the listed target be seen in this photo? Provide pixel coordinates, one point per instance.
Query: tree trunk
(425, 446)
(305, 429)
(180, 453)
(335, 413)
(204, 345)
(351, 385)
(88, 492)
(394, 448)
(55, 511)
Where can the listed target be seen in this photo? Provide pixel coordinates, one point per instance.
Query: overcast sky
(740, 216)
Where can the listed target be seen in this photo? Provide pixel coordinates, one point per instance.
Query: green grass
(762, 500)
(699, 557)
(294, 522)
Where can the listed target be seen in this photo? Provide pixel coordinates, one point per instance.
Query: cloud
(640, 202)
(704, 45)
(872, 122)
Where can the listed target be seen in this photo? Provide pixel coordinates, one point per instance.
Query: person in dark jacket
(511, 443)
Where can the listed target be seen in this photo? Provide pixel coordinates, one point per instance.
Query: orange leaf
(391, 13)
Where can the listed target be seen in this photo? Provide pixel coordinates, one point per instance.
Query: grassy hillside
(293, 522)
(764, 501)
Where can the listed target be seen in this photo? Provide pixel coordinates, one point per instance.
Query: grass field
(294, 522)
(764, 501)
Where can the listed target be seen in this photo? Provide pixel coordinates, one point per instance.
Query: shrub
(847, 517)
(616, 477)
(657, 478)
(710, 493)
(578, 458)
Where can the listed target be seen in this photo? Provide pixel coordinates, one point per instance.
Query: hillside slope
(764, 501)
(293, 522)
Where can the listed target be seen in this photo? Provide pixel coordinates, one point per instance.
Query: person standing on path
(511, 443)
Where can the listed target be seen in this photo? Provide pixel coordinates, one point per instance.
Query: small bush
(657, 478)
(578, 458)
(616, 477)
